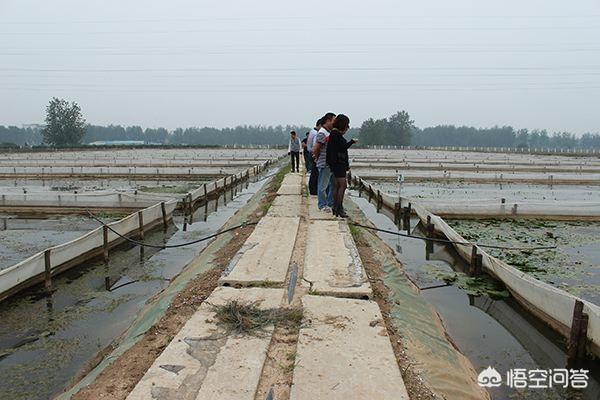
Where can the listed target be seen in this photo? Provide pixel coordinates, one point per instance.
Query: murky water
(573, 266)
(44, 341)
(17, 186)
(21, 238)
(497, 333)
(457, 191)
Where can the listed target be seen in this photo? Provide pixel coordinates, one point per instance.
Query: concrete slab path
(332, 264)
(205, 362)
(315, 213)
(345, 353)
(266, 254)
(285, 206)
(291, 184)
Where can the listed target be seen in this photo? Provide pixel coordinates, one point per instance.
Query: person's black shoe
(341, 212)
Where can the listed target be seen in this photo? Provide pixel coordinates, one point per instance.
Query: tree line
(505, 136)
(65, 126)
(372, 132)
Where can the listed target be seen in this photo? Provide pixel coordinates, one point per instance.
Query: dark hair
(318, 122)
(341, 122)
(327, 117)
(307, 133)
(292, 132)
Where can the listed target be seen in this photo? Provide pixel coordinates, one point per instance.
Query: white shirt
(312, 138)
(322, 139)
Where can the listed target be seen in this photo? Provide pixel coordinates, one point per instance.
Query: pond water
(21, 238)
(573, 266)
(14, 186)
(457, 191)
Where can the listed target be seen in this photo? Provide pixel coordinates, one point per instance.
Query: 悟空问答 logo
(489, 377)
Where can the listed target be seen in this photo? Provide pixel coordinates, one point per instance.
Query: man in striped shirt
(326, 184)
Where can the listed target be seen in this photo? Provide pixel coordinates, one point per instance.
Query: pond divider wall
(121, 201)
(553, 306)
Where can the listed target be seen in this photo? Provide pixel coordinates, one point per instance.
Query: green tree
(65, 125)
(395, 130)
(399, 129)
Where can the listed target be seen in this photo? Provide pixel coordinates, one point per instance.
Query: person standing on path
(313, 181)
(307, 156)
(326, 184)
(294, 150)
(337, 160)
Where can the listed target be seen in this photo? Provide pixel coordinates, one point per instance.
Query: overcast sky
(527, 63)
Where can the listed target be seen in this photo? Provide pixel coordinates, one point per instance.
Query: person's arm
(316, 150)
(310, 141)
(290, 147)
(350, 143)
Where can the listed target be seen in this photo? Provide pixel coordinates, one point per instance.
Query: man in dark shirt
(307, 156)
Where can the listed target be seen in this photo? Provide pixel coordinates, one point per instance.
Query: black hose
(172, 246)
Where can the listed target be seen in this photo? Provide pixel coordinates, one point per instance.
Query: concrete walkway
(332, 265)
(265, 256)
(345, 353)
(343, 350)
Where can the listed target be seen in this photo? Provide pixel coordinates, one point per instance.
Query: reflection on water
(489, 332)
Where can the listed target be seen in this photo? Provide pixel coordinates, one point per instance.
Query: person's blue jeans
(326, 187)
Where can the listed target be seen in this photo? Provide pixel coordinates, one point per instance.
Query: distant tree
(65, 125)
(395, 130)
(399, 129)
(522, 139)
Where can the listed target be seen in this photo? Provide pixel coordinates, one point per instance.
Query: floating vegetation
(572, 266)
(476, 286)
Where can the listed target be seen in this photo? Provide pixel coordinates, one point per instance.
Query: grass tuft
(247, 318)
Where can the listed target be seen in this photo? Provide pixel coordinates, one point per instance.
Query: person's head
(293, 134)
(327, 121)
(341, 123)
(307, 133)
(318, 124)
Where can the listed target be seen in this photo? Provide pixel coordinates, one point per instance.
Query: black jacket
(337, 150)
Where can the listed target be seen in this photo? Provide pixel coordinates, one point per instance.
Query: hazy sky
(527, 63)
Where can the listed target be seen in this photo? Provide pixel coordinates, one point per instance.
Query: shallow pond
(21, 238)
(573, 266)
(456, 191)
(10, 186)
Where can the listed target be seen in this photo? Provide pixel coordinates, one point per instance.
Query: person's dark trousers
(308, 161)
(295, 158)
(313, 181)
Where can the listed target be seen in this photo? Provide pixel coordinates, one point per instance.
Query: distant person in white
(294, 151)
